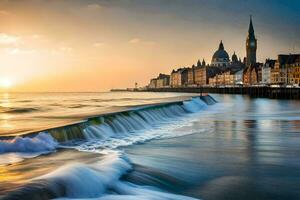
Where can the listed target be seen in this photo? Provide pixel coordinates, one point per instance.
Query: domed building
(220, 57)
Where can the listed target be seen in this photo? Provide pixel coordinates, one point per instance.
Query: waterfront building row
(285, 70)
(223, 71)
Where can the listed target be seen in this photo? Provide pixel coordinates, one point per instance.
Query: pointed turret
(198, 63)
(221, 46)
(234, 58)
(203, 62)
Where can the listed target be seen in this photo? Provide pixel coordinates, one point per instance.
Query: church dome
(220, 57)
(220, 54)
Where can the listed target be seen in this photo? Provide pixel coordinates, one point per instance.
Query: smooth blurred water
(25, 112)
(250, 149)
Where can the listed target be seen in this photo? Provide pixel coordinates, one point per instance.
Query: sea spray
(42, 142)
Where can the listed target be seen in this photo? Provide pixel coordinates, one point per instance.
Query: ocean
(126, 145)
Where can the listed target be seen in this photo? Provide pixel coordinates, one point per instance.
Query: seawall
(265, 92)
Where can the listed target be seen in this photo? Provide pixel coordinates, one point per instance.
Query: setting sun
(5, 83)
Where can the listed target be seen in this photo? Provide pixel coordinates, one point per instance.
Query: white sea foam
(19, 148)
(42, 142)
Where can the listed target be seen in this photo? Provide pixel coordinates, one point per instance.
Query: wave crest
(42, 142)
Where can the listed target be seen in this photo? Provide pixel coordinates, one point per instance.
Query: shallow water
(239, 148)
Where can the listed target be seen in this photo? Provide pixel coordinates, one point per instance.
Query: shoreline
(259, 91)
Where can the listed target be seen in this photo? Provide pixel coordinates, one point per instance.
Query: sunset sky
(96, 45)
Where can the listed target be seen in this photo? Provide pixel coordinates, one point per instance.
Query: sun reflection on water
(5, 103)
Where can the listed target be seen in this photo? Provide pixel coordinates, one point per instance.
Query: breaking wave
(99, 180)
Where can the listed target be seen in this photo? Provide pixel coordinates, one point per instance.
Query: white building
(266, 71)
(238, 77)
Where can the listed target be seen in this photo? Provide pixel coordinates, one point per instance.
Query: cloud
(6, 39)
(94, 7)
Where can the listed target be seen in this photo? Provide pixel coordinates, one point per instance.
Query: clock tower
(251, 45)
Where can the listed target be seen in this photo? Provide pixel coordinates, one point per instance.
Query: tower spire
(251, 29)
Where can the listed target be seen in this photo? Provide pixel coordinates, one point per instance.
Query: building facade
(252, 74)
(175, 79)
(283, 69)
(229, 77)
(200, 75)
(266, 71)
(152, 83)
(179, 77)
(294, 74)
(191, 75)
(163, 80)
(238, 77)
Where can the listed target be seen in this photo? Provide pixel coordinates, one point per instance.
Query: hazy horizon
(96, 45)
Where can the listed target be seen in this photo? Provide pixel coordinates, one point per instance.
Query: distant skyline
(96, 45)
